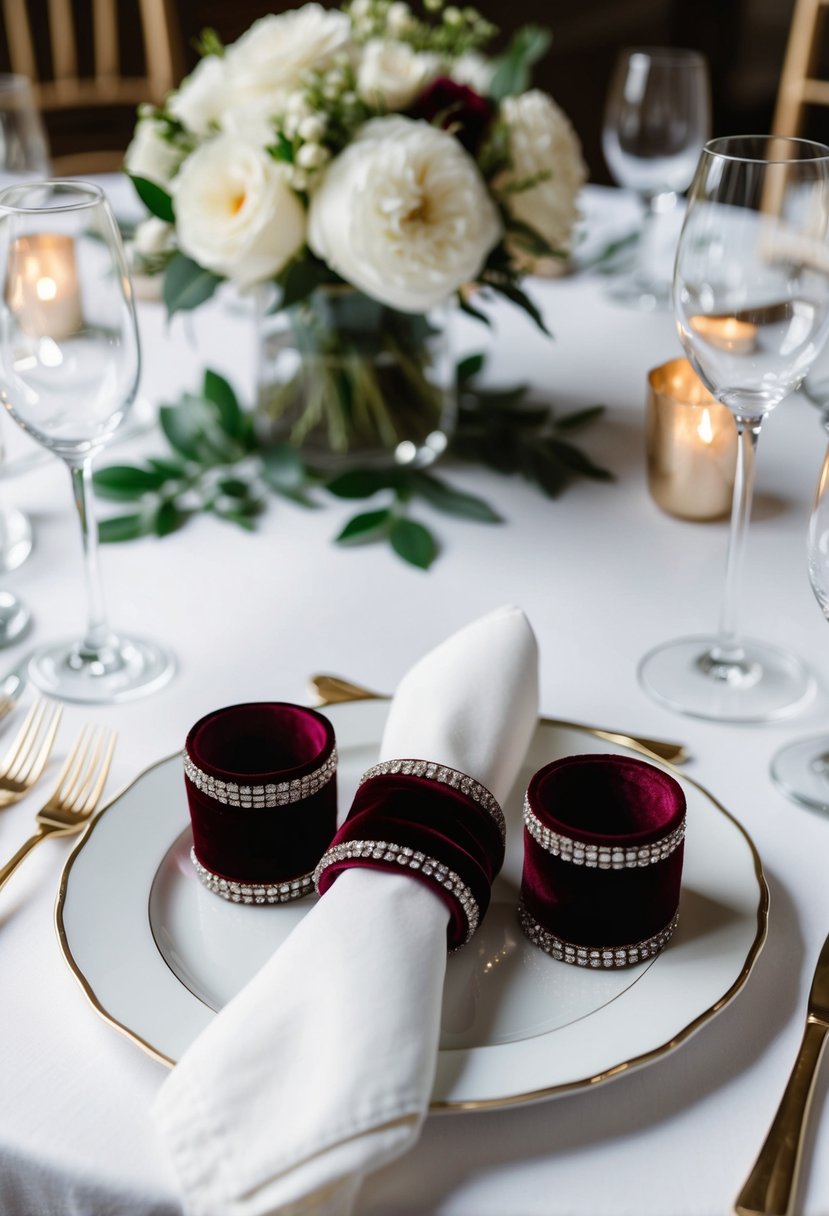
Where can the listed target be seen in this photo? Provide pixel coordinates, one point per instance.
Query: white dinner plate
(157, 954)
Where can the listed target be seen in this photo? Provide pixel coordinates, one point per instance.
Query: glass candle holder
(691, 442)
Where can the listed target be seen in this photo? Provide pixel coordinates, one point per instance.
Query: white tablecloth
(603, 575)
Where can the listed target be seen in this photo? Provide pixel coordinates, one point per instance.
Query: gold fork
(76, 794)
(26, 759)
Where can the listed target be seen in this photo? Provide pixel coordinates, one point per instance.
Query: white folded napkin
(321, 1069)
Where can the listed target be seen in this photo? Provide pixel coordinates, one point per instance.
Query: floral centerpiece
(372, 164)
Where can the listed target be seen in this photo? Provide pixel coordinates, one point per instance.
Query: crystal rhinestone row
(593, 956)
(602, 856)
(402, 855)
(253, 893)
(230, 793)
(446, 776)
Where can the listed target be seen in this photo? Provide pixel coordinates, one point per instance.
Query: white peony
(473, 70)
(235, 212)
(541, 140)
(269, 62)
(151, 154)
(200, 101)
(392, 73)
(403, 214)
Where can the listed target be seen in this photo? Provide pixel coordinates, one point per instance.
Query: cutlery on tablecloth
(76, 794)
(26, 759)
(332, 690)
(771, 1187)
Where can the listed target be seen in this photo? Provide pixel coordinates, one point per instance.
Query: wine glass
(69, 366)
(24, 153)
(802, 768)
(657, 118)
(751, 297)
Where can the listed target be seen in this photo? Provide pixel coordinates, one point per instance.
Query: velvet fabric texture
(603, 800)
(261, 744)
(428, 817)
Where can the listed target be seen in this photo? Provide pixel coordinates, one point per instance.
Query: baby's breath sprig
(446, 30)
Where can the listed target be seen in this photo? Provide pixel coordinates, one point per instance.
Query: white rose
(268, 62)
(199, 102)
(235, 212)
(541, 140)
(392, 74)
(403, 214)
(151, 155)
(153, 237)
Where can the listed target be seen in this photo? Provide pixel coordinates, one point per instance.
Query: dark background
(744, 41)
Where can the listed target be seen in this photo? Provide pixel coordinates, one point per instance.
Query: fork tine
(108, 740)
(84, 771)
(22, 741)
(7, 704)
(67, 772)
(37, 758)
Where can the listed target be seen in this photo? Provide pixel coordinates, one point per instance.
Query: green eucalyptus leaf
(366, 526)
(121, 527)
(187, 285)
(577, 461)
(362, 483)
(219, 391)
(171, 469)
(453, 502)
(470, 367)
(154, 198)
(168, 518)
(413, 542)
(513, 70)
(579, 418)
(471, 311)
(302, 277)
(125, 483)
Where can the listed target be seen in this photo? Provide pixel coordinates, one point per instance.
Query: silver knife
(771, 1186)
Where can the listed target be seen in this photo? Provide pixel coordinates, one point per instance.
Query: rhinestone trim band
(602, 856)
(412, 859)
(599, 957)
(281, 793)
(446, 776)
(253, 893)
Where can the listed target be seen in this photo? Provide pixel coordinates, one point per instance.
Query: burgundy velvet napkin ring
(262, 793)
(603, 851)
(436, 824)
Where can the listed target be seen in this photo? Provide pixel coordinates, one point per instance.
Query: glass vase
(353, 383)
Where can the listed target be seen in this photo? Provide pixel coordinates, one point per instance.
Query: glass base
(14, 618)
(122, 670)
(768, 683)
(801, 770)
(15, 539)
(637, 291)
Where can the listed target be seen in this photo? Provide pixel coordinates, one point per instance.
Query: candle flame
(705, 428)
(46, 288)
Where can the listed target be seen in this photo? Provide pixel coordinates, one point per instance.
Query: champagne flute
(657, 118)
(751, 297)
(69, 367)
(801, 769)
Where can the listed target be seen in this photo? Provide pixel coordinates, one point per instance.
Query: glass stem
(728, 649)
(97, 630)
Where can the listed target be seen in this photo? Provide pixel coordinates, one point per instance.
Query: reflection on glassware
(751, 296)
(69, 365)
(802, 768)
(14, 618)
(657, 118)
(24, 149)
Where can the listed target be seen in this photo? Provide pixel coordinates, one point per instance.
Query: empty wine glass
(751, 296)
(802, 768)
(657, 118)
(24, 154)
(69, 366)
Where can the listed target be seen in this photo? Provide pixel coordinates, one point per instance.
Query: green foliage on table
(217, 464)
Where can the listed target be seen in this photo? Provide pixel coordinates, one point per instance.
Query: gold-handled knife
(771, 1186)
(333, 690)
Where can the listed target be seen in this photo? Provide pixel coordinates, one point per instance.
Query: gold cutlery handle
(771, 1186)
(26, 848)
